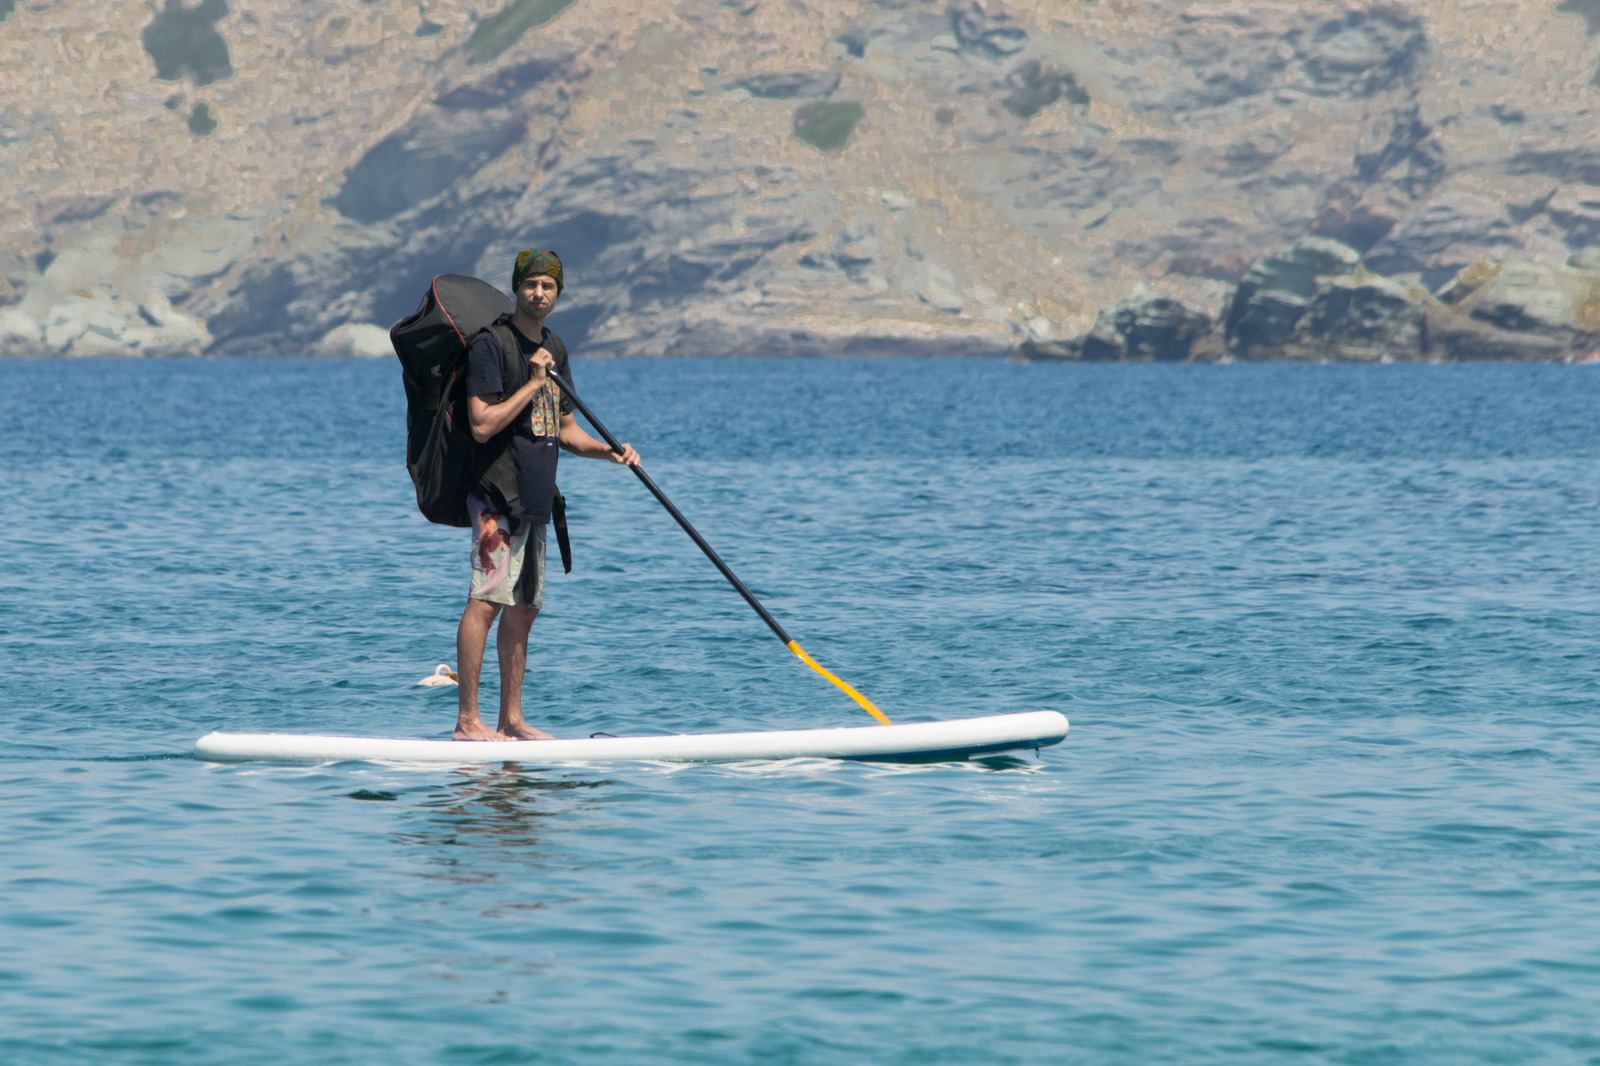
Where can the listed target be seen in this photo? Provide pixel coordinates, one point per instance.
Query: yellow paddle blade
(866, 704)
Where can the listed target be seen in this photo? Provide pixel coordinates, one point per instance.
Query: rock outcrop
(1315, 301)
(1141, 329)
(1520, 311)
(1275, 297)
(1364, 318)
(1178, 179)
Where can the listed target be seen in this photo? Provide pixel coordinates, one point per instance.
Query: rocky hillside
(1082, 179)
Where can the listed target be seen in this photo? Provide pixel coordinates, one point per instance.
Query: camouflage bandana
(536, 261)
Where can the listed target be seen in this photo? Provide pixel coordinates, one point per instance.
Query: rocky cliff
(1083, 179)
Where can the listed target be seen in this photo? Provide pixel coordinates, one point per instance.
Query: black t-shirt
(533, 441)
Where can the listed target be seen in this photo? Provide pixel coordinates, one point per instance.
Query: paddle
(694, 534)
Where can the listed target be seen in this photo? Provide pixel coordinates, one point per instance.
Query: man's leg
(511, 642)
(471, 637)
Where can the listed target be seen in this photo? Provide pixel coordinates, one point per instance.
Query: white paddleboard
(922, 741)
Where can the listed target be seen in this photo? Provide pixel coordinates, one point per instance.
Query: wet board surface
(921, 741)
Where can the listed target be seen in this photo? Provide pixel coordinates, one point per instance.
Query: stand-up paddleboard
(919, 742)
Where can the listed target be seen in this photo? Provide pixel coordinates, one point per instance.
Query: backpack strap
(513, 373)
(558, 518)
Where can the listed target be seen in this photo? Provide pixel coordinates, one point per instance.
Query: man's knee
(481, 610)
(519, 617)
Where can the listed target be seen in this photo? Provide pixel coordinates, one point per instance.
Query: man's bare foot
(524, 731)
(477, 732)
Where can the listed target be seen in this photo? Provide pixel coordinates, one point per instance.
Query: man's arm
(488, 417)
(575, 439)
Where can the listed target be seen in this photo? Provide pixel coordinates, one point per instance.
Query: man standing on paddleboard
(522, 421)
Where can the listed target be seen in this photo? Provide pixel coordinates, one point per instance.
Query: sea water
(1328, 636)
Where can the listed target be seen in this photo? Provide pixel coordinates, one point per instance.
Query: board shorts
(507, 568)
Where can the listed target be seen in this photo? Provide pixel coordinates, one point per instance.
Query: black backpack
(432, 346)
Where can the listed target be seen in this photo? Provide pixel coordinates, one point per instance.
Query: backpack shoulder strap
(512, 375)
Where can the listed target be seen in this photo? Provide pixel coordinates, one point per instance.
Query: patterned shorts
(506, 569)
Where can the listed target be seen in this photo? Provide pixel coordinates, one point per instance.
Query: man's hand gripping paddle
(694, 534)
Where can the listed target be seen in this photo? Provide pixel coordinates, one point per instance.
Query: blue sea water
(1327, 636)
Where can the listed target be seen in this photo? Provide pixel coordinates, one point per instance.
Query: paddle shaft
(677, 515)
(694, 534)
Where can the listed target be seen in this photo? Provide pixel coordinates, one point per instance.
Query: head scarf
(536, 261)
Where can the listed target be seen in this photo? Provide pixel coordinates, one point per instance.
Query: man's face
(537, 295)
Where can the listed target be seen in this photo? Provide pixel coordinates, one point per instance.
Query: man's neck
(530, 327)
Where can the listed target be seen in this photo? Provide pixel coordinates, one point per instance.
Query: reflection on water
(501, 806)
(1006, 762)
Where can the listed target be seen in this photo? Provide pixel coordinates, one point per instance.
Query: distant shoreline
(1013, 358)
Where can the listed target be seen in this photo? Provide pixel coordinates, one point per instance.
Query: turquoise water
(1326, 635)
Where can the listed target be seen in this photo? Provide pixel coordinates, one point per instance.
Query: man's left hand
(629, 457)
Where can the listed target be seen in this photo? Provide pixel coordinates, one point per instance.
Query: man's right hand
(540, 361)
